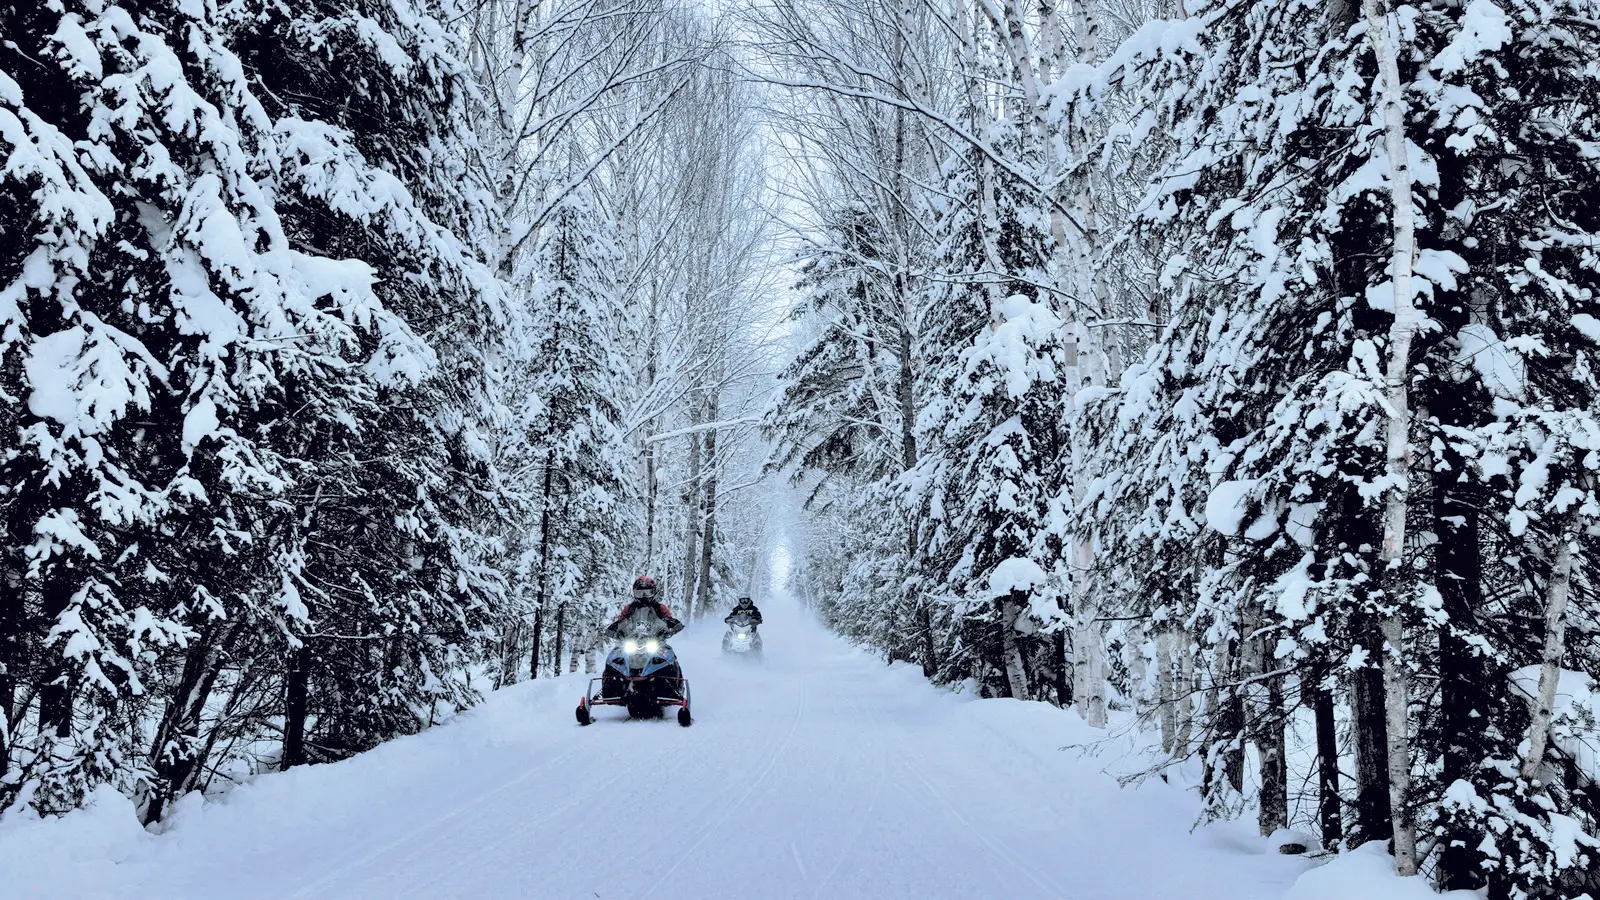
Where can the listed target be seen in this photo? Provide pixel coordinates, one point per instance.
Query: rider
(744, 607)
(644, 597)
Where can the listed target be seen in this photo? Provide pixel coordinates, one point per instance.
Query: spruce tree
(237, 297)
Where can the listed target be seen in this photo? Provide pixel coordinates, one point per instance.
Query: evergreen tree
(236, 303)
(1264, 406)
(993, 448)
(582, 538)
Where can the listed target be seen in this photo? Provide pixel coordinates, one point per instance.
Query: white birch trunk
(1556, 593)
(1395, 676)
(1089, 644)
(1186, 689)
(1084, 368)
(1016, 670)
(1138, 667)
(1165, 690)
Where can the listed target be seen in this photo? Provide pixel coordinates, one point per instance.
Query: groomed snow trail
(821, 775)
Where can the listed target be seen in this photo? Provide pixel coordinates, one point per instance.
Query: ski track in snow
(822, 774)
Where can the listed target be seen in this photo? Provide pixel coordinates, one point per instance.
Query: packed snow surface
(823, 774)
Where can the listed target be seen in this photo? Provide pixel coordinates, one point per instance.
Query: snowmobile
(642, 675)
(742, 640)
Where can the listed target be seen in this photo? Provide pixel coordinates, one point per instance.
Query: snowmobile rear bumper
(593, 698)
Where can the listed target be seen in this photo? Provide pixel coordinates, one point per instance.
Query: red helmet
(644, 588)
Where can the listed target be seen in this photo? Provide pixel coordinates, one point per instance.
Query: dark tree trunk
(296, 706)
(561, 622)
(1231, 725)
(1373, 821)
(930, 652)
(1063, 672)
(692, 516)
(169, 746)
(1330, 809)
(56, 689)
(541, 595)
(509, 657)
(536, 638)
(22, 498)
(649, 506)
(13, 598)
(708, 536)
(1274, 804)
(177, 764)
(1464, 705)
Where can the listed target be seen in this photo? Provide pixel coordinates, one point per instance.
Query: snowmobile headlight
(631, 646)
(652, 646)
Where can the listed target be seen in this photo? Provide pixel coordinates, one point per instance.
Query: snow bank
(90, 842)
(214, 848)
(1367, 873)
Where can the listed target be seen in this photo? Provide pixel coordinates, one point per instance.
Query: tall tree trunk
(13, 597)
(1089, 669)
(708, 538)
(536, 638)
(1396, 704)
(692, 516)
(1463, 700)
(296, 706)
(177, 754)
(1330, 810)
(1374, 820)
(1404, 327)
(906, 396)
(1187, 687)
(1556, 593)
(508, 125)
(1165, 690)
(509, 656)
(652, 484)
(1230, 716)
(1063, 672)
(1138, 667)
(542, 592)
(561, 626)
(58, 682)
(172, 745)
(1273, 809)
(1016, 669)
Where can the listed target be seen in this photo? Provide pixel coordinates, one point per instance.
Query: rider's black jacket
(748, 609)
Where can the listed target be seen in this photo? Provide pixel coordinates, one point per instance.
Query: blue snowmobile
(641, 672)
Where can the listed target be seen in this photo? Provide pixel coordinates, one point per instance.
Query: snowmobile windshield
(741, 622)
(644, 624)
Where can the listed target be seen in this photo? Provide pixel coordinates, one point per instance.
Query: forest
(1220, 369)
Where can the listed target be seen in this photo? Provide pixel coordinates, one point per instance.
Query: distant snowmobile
(742, 639)
(641, 674)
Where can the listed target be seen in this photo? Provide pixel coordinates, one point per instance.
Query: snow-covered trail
(822, 775)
